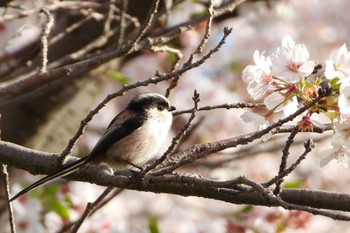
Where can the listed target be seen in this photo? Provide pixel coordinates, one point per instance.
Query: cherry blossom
(344, 97)
(291, 61)
(341, 146)
(339, 64)
(258, 76)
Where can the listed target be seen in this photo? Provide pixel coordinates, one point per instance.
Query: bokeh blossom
(26, 221)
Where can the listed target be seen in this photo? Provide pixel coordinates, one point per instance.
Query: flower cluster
(288, 79)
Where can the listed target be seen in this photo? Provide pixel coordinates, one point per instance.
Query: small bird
(132, 138)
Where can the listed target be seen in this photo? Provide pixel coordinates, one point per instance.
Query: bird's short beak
(172, 108)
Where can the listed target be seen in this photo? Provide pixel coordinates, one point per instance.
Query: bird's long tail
(66, 170)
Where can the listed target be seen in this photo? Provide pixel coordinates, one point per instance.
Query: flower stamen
(293, 67)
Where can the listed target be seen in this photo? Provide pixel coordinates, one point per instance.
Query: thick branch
(44, 163)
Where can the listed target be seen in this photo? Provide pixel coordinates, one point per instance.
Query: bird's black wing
(115, 132)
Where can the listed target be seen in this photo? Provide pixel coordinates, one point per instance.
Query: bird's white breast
(143, 144)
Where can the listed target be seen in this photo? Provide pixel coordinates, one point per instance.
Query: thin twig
(74, 26)
(146, 25)
(316, 129)
(7, 4)
(172, 85)
(122, 22)
(207, 32)
(5, 180)
(110, 16)
(308, 147)
(176, 52)
(101, 204)
(90, 207)
(44, 39)
(226, 106)
(95, 44)
(106, 200)
(130, 18)
(199, 49)
(285, 154)
(58, 5)
(190, 132)
(208, 28)
(252, 150)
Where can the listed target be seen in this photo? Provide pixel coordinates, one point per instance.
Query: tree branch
(37, 162)
(24, 83)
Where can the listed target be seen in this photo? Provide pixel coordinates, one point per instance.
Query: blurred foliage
(50, 200)
(243, 211)
(122, 79)
(153, 225)
(293, 184)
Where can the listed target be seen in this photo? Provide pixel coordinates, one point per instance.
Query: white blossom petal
(306, 68)
(339, 64)
(288, 42)
(274, 101)
(291, 61)
(344, 97)
(341, 145)
(259, 121)
(290, 106)
(252, 117)
(258, 76)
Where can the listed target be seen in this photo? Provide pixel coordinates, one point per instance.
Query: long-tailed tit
(132, 138)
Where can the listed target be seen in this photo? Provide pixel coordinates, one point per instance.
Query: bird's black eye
(160, 107)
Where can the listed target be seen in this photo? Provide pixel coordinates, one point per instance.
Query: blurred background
(45, 117)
